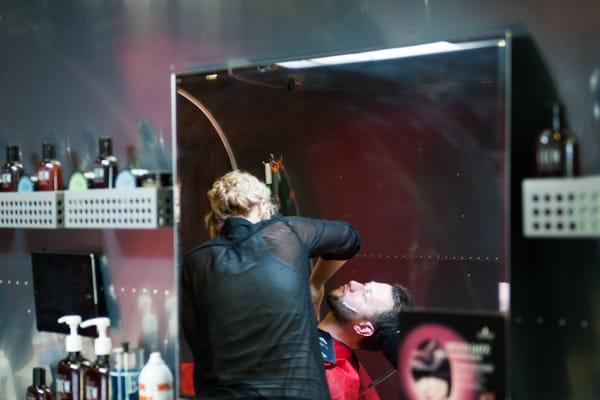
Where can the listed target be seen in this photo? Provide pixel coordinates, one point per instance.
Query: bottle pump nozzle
(73, 341)
(102, 344)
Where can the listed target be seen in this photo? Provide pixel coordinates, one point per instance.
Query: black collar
(237, 228)
(326, 343)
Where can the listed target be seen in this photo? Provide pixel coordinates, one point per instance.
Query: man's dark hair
(387, 323)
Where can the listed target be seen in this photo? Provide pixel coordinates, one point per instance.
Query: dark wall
(73, 67)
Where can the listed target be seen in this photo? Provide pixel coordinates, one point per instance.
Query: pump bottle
(97, 376)
(71, 369)
(39, 390)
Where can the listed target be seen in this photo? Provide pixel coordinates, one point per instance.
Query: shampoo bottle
(71, 369)
(106, 168)
(12, 169)
(126, 364)
(97, 376)
(49, 171)
(156, 379)
(39, 390)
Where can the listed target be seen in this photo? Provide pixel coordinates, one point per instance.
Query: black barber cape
(247, 310)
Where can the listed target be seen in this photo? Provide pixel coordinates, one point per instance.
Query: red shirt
(346, 378)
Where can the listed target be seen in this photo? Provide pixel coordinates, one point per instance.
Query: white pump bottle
(97, 377)
(70, 370)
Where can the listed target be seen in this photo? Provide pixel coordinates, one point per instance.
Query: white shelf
(38, 210)
(561, 207)
(139, 208)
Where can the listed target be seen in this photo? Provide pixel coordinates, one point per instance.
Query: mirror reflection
(408, 146)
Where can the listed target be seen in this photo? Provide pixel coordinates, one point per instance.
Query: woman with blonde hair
(248, 295)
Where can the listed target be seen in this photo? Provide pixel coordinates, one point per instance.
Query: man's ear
(364, 328)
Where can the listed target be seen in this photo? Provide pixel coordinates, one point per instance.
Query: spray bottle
(70, 370)
(97, 376)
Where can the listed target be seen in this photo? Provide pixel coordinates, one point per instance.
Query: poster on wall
(451, 356)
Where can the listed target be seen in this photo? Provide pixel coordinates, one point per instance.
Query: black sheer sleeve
(331, 240)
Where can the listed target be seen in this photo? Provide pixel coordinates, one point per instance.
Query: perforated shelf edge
(37, 210)
(561, 207)
(140, 208)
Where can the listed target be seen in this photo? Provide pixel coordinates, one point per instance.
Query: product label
(97, 387)
(67, 387)
(124, 384)
(6, 177)
(162, 391)
(62, 386)
(99, 174)
(91, 392)
(43, 175)
(549, 159)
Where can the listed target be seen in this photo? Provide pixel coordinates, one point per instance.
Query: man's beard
(340, 311)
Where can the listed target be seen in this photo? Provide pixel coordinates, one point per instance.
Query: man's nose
(355, 285)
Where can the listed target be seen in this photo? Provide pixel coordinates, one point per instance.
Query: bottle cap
(105, 147)
(25, 184)
(125, 180)
(48, 152)
(78, 181)
(39, 376)
(102, 344)
(155, 359)
(73, 341)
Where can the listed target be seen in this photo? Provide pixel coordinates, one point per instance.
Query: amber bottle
(557, 148)
(97, 379)
(49, 171)
(106, 167)
(39, 390)
(12, 169)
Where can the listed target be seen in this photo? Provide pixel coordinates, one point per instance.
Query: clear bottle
(70, 370)
(39, 390)
(12, 169)
(97, 376)
(126, 365)
(557, 149)
(49, 171)
(106, 167)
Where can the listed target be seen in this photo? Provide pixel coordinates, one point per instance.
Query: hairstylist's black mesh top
(247, 310)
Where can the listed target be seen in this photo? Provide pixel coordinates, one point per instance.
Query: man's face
(357, 301)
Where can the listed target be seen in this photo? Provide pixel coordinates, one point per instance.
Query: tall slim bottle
(49, 171)
(106, 167)
(12, 169)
